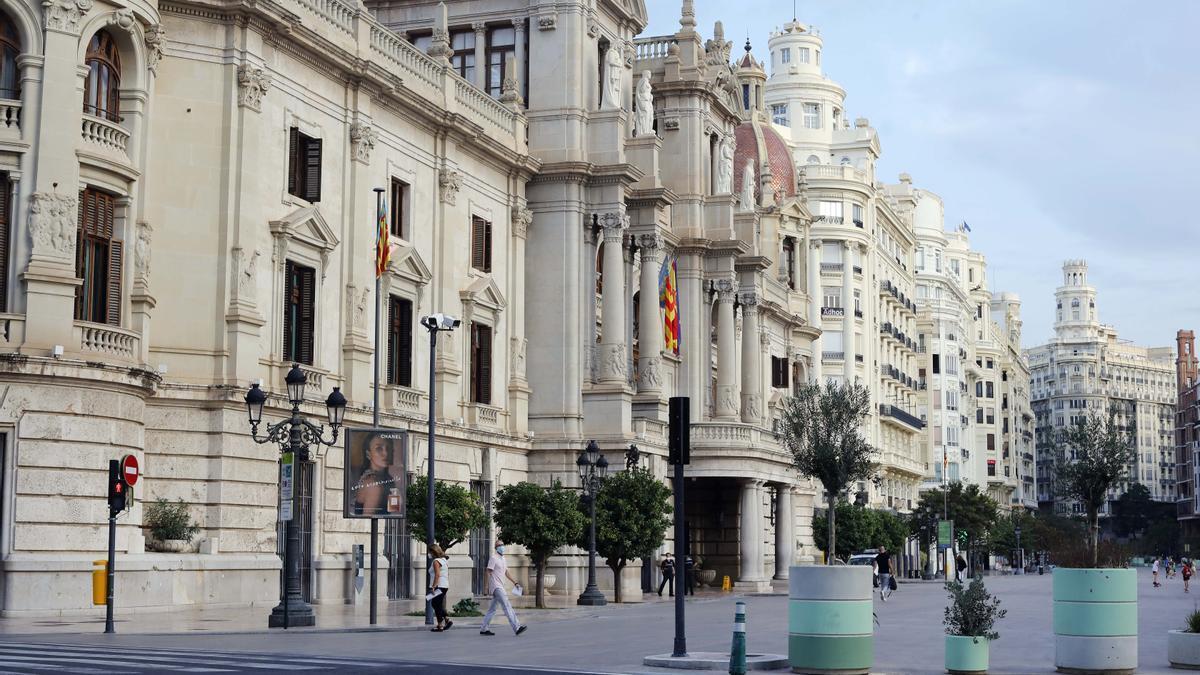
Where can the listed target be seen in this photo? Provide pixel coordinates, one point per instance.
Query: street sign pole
(115, 485)
(678, 447)
(286, 492)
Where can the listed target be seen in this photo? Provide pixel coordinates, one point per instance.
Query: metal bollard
(737, 653)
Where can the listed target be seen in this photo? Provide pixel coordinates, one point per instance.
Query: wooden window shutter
(5, 235)
(404, 334)
(116, 256)
(393, 342)
(477, 243)
(293, 161)
(484, 377)
(307, 314)
(312, 169)
(487, 247)
(289, 303)
(474, 362)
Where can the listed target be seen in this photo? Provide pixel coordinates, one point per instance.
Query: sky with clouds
(1057, 129)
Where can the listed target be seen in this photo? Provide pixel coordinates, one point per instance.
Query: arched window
(10, 44)
(102, 88)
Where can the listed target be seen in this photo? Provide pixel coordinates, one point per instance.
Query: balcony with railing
(830, 355)
(99, 338)
(10, 118)
(831, 267)
(892, 412)
(833, 311)
(106, 137)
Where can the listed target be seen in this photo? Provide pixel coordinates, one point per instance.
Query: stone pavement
(613, 639)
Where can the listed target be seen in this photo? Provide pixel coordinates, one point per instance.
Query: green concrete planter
(830, 620)
(966, 655)
(1095, 621)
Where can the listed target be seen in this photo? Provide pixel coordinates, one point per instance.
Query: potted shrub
(1095, 593)
(1183, 646)
(171, 527)
(969, 619)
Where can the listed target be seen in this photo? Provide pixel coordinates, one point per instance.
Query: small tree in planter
(169, 522)
(820, 425)
(631, 519)
(1183, 646)
(1091, 458)
(542, 520)
(969, 620)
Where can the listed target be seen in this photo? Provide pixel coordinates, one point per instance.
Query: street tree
(1135, 510)
(820, 425)
(1091, 458)
(631, 519)
(861, 528)
(456, 511)
(542, 520)
(971, 510)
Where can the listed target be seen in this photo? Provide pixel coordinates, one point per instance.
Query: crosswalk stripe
(207, 656)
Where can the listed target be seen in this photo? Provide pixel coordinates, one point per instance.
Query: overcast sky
(1056, 129)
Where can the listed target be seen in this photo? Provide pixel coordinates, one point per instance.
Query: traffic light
(679, 442)
(118, 489)
(962, 537)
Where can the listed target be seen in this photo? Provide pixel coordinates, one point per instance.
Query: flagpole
(375, 407)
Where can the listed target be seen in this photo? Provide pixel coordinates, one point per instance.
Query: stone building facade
(1187, 431)
(1086, 369)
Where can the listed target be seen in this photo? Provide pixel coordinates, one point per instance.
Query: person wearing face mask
(497, 574)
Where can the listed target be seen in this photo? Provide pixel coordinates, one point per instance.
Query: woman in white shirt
(439, 586)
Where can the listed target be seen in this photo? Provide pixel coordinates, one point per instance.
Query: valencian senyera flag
(382, 247)
(668, 301)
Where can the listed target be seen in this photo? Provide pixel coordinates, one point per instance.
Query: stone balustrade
(10, 116)
(109, 340)
(656, 47)
(107, 136)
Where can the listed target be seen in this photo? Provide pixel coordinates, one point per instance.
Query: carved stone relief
(449, 181)
(253, 83)
(362, 141)
(52, 225)
(64, 15)
(156, 37)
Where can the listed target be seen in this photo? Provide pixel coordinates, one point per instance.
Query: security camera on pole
(434, 323)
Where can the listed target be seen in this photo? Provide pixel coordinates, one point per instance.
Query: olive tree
(1092, 456)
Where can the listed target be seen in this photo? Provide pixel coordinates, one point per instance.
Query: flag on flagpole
(966, 227)
(668, 299)
(383, 250)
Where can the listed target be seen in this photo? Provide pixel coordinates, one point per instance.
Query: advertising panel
(375, 469)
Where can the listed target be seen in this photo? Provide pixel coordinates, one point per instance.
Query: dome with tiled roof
(756, 141)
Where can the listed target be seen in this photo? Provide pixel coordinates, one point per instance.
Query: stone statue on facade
(613, 69)
(247, 265)
(644, 121)
(724, 184)
(141, 251)
(748, 178)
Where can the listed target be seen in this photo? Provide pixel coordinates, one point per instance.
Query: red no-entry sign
(129, 469)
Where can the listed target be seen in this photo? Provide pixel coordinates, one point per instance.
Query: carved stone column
(726, 406)
(814, 306)
(481, 69)
(519, 29)
(785, 530)
(848, 341)
(752, 403)
(750, 533)
(650, 323)
(612, 310)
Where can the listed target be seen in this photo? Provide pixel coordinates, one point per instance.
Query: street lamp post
(1020, 554)
(592, 466)
(434, 323)
(294, 435)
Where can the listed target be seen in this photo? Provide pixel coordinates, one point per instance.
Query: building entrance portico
(733, 531)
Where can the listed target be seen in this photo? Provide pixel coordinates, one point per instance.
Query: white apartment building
(1086, 369)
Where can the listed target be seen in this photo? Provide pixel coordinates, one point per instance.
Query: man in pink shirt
(497, 574)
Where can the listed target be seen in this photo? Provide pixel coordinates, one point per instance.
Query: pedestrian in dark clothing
(667, 566)
(689, 576)
(960, 566)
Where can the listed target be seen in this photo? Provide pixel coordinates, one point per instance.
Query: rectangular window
(831, 252)
(785, 55)
(481, 244)
(399, 342)
(5, 239)
(789, 262)
(832, 296)
(399, 206)
(812, 115)
(304, 166)
(991, 441)
(779, 372)
(803, 55)
(979, 415)
(856, 211)
(779, 114)
(746, 96)
(481, 363)
(463, 58)
(831, 210)
(991, 467)
(937, 363)
(298, 313)
(991, 390)
(98, 259)
(502, 42)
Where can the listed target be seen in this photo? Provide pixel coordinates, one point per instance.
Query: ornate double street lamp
(294, 436)
(592, 467)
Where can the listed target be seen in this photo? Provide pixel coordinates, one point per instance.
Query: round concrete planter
(966, 655)
(170, 545)
(830, 620)
(1183, 650)
(1095, 621)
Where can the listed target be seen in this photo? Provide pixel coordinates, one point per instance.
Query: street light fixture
(294, 435)
(592, 467)
(434, 323)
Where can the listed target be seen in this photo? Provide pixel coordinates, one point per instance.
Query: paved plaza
(610, 639)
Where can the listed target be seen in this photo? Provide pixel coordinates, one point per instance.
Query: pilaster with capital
(814, 304)
(848, 340)
(726, 406)
(785, 530)
(650, 325)
(612, 310)
(752, 399)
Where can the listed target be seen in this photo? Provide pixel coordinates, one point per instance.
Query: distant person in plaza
(667, 566)
(960, 566)
(1170, 567)
(1154, 572)
(883, 567)
(377, 478)
(497, 574)
(1187, 573)
(439, 586)
(689, 576)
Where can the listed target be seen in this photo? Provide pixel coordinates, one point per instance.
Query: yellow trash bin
(99, 582)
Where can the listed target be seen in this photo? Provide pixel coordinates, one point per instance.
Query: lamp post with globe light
(294, 435)
(592, 467)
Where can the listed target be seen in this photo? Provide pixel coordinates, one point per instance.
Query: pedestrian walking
(497, 568)
(1154, 572)
(439, 586)
(667, 567)
(960, 566)
(883, 567)
(1187, 574)
(689, 576)
(1170, 567)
